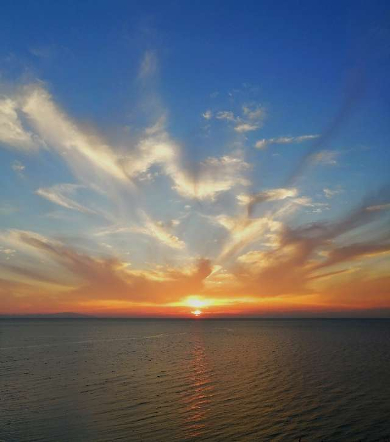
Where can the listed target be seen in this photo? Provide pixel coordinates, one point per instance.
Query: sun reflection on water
(197, 401)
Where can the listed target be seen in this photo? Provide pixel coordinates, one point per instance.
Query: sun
(197, 303)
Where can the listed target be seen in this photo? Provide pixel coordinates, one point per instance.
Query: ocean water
(179, 380)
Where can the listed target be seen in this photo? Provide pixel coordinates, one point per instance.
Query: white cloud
(326, 157)
(7, 251)
(267, 195)
(262, 144)
(330, 193)
(90, 157)
(207, 115)
(245, 127)
(215, 175)
(250, 120)
(244, 231)
(12, 132)
(256, 113)
(225, 115)
(162, 232)
(59, 194)
(86, 154)
(18, 167)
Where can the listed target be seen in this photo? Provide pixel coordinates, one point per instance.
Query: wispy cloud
(12, 132)
(245, 127)
(59, 194)
(266, 195)
(254, 113)
(160, 231)
(250, 119)
(208, 115)
(214, 175)
(111, 279)
(378, 207)
(262, 144)
(326, 157)
(330, 193)
(225, 115)
(18, 167)
(148, 66)
(244, 231)
(91, 158)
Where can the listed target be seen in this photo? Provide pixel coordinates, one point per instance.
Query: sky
(214, 159)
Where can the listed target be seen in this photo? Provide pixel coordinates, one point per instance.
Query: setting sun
(197, 312)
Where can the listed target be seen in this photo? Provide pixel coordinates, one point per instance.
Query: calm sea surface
(168, 380)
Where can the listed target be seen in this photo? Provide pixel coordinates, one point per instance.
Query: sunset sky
(195, 158)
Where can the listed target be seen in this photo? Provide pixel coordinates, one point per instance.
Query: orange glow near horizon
(194, 301)
(197, 312)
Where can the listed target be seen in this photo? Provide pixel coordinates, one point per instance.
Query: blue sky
(149, 138)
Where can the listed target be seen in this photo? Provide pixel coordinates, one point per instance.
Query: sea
(194, 380)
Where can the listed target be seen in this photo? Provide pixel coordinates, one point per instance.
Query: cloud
(18, 167)
(213, 176)
(262, 144)
(250, 120)
(256, 113)
(9, 253)
(43, 51)
(245, 127)
(79, 149)
(356, 87)
(266, 195)
(307, 202)
(59, 194)
(148, 66)
(160, 231)
(378, 207)
(111, 279)
(330, 193)
(207, 115)
(93, 160)
(290, 263)
(353, 251)
(291, 260)
(256, 257)
(12, 132)
(225, 115)
(242, 232)
(326, 157)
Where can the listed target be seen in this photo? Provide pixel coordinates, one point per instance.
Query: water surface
(219, 380)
